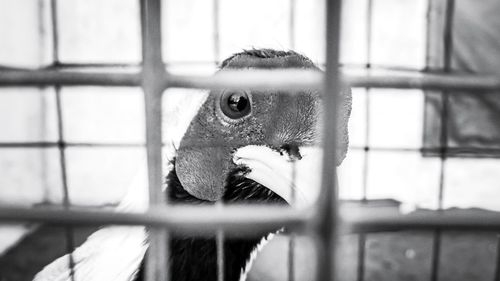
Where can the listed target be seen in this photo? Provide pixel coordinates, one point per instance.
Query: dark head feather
(277, 119)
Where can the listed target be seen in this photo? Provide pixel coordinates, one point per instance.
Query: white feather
(180, 106)
(115, 252)
(277, 172)
(253, 256)
(111, 253)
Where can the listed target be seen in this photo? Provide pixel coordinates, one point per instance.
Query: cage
(85, 83)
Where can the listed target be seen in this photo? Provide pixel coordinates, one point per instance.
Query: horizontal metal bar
(465, 151)
(303, 79)
(186, 63)
(69, 78)
(237, 221)
(427, 81)
(255, 79)
(103, 66)
(375, 221)
(462, 151)
(48, 144)
(243, 220)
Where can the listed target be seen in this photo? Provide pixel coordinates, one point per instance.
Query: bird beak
(202, 171)
(296, 180)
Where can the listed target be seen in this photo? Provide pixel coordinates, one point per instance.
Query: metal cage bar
(69, 231)
(219, 235)
(216, 30)
(447, 39)
(497, 261)
(326, 228)
(292, 237)
(462, 151)
(235, 220)
(255, 79)
(245, 220)
(366, 152)
(153, 85)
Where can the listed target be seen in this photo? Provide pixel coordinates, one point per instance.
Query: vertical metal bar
(156, 267)
(361, 256)
(366, 154)
(448, 50)
(291, 242)
(220, 237)
(436, 253)
(327, 213)
(220, 254)
(497, 263)
(44, 37)
(55, 32)
(216, 30)
(70, 245)
(291, 24)
(291, 257)
(292, 237)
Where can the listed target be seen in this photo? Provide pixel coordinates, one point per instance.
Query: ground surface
(389, 257)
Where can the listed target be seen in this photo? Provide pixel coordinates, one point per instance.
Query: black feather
(195, 258)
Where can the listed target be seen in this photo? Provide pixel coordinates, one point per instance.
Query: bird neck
(196, 258)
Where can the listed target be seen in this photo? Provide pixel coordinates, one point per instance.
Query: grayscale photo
(249, 140)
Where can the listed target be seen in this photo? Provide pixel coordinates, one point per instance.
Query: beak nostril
(292, 150)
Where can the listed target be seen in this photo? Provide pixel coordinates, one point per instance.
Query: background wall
(108, 32)
(197, 36)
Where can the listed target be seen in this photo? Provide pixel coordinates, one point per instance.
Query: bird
(218, 157)
(241, 147)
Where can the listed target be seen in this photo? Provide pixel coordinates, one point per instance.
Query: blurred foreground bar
(244, 220)
(252, 79)
(67, 78)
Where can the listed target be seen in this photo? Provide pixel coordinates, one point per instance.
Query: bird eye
(235, 105)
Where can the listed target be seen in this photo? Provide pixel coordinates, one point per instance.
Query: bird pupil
(237, 102)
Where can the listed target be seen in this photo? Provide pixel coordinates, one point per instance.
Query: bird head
(231, 119)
